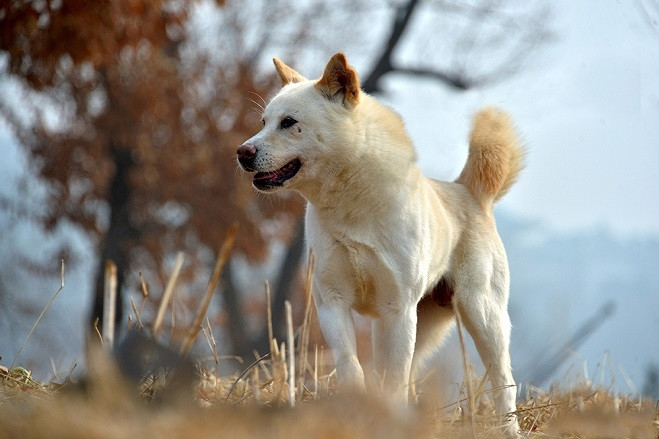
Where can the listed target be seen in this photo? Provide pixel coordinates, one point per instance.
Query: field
(146, 388)
(169, 396)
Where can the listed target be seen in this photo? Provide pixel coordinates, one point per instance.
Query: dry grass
(258, 402)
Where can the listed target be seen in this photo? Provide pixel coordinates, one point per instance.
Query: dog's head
(301, 126)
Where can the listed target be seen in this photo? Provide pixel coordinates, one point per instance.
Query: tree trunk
(287, 273)
(237, 330)
(118, 238)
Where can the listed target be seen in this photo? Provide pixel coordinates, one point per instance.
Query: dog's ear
(339, 79)
(287, 74)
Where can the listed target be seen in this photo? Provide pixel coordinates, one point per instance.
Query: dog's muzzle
(246, 155)
(266, 180)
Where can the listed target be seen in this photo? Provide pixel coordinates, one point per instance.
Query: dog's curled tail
(495, 158)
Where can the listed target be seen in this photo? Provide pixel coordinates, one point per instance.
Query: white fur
(384, 235)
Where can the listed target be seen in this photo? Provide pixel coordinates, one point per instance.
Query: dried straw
(291, 354)
(210, 288)
(167, 295)
(467, 369)
(50, 302)
(109, 303)
(304, 337)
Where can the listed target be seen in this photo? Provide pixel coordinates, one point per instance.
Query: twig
(210, 339)
(210, 288)
(470, 390)
(256, 391)
(143, 288)
(172, 318)
(109, 303)
(242, 375)
(137, 313)
(271, 342)
(483, 382)
(291, 355)
(167, 295)
(145, 294)
(315, 373)
(98, 333)
(52, 299)
(281, 371)
(304, 338)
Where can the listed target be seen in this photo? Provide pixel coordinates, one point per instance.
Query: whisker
(261, 106)
(258, 96)
(257, 111)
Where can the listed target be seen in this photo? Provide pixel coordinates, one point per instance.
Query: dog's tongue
(278, 177)
(274, 177)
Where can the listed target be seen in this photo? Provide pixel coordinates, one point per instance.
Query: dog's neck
(381, 169)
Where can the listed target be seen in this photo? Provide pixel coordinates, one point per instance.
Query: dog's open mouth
(268, 180)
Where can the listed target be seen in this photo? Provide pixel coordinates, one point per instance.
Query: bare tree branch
(383, 64)
(649, 12)
(456, 81)
(517, 34)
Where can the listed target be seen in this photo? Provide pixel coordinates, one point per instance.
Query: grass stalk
(138, 319)
(167, 295)
(465, 363)
(315, 372)
(109, 303)
(50, 302)
(304, 337)
(210, 288)
(291, 354)
(268, 305)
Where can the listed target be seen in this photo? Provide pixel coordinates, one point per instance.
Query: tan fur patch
(340, 78)
(286, 74)
(495, 156)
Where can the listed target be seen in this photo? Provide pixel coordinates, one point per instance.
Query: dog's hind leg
(486, 318)
(434, 323)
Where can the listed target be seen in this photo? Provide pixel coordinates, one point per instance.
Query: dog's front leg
(394, 335)
(338, 327)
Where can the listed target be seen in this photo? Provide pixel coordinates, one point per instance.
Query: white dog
(389, 242)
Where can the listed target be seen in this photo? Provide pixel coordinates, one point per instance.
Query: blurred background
(119, 123)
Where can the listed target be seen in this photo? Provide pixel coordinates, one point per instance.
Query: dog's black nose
(246, 154)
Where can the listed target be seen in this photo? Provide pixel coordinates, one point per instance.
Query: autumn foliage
(138, 139)
(134, 124)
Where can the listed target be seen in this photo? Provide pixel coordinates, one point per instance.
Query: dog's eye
(287, 122)
(263, 122)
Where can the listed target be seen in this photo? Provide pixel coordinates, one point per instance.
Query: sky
(587, 107)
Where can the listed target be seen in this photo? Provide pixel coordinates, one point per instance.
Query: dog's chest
(363, 264)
